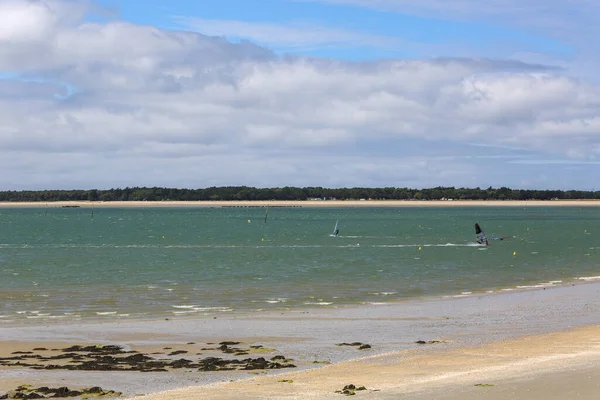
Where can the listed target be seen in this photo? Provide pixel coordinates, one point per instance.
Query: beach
(221, 302)
(531, 344)
(553, 366)
(310, 203)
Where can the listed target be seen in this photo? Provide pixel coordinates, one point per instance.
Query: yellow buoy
(248, 221)
(419, 247)
(163, 236)
(262, 240)
(585, 231)
(514, 253)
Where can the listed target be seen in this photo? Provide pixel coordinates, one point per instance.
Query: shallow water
(65, 264)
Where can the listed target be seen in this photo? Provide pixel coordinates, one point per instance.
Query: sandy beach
(554, 366)
(533, 344)
(309, 203)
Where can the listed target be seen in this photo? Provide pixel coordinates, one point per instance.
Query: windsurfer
(482, 239)
(480, 236)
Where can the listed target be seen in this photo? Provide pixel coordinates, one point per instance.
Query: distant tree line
(292, 193)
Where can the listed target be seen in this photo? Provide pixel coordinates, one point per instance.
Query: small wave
(184, 306)
(213, 309)
(38, 316)
(589, 278)
(462, 294)
(318, 303)
(540, 285)
(275, 301)
(106, 313)
(201, 309)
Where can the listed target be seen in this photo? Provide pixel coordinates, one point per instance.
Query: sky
(271, 93)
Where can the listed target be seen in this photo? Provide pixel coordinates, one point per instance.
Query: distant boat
(336, 231)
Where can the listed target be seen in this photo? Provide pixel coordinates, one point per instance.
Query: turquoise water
(63, 264)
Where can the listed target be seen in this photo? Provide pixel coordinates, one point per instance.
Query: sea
(109, 264)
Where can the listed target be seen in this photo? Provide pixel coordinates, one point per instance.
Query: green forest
(292, 193)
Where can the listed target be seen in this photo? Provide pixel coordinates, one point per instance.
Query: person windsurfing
(336, 230)
(480, 236)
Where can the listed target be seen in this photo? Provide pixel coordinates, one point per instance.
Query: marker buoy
(514, 253)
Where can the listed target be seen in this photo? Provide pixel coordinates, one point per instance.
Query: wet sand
(555, 366)
(309, 203)
(493, 339)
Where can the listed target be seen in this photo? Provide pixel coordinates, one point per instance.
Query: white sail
(335, 229)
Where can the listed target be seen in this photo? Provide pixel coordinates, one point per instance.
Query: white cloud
(572, 23)
(556, 17)
(295, 35)
(183, 109)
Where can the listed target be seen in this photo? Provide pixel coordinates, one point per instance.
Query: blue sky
(401, 34)
(334, 93)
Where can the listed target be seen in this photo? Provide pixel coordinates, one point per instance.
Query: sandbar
(308, 203)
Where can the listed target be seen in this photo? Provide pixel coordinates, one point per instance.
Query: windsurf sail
(336, 231)
(480, 235)
(266, 213)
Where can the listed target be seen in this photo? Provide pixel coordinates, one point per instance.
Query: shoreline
(309, 308)
(456, 328)
(304, 203)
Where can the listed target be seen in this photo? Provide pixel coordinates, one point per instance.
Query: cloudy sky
(267, 93)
